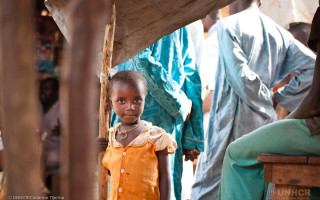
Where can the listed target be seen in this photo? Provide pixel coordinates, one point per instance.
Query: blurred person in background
(255, 54)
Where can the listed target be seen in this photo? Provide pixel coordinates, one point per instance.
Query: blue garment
(173, 80)
(255, 55)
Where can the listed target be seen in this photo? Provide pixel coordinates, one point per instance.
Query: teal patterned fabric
(173, 80)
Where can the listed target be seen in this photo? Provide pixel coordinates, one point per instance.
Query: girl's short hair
(128, 77)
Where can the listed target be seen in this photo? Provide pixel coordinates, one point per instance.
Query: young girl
(137, 153)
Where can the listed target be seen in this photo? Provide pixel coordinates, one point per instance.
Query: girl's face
(128, 100)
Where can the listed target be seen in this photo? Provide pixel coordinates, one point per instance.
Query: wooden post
(104, 117)
(19, 99)
(78, 83)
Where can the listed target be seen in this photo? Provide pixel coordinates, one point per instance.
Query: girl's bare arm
(164, 174)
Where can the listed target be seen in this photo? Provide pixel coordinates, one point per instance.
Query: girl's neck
(125, 135)
(125, 125)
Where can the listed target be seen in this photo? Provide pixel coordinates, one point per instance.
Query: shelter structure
(100, 33)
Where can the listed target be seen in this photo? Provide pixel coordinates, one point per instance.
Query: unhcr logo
(292, 194)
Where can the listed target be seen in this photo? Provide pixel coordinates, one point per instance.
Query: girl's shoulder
(161, 139)
(154, 131)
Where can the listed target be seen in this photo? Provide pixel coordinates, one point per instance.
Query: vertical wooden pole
(78, 83)
(104, 117)
(19, 98)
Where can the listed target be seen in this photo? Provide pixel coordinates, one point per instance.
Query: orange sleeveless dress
(134, 169)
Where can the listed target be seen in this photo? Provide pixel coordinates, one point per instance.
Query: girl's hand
(102, 144)
(191, 154)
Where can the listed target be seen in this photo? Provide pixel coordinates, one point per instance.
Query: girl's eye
(121, 100)
(137, 100)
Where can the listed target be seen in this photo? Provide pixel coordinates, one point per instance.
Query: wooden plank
(267, 172)
(19, 98)
(273, 158)
(289, 192)
(79, 82)
(105, 109)
(298, 174)
(314, 160)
